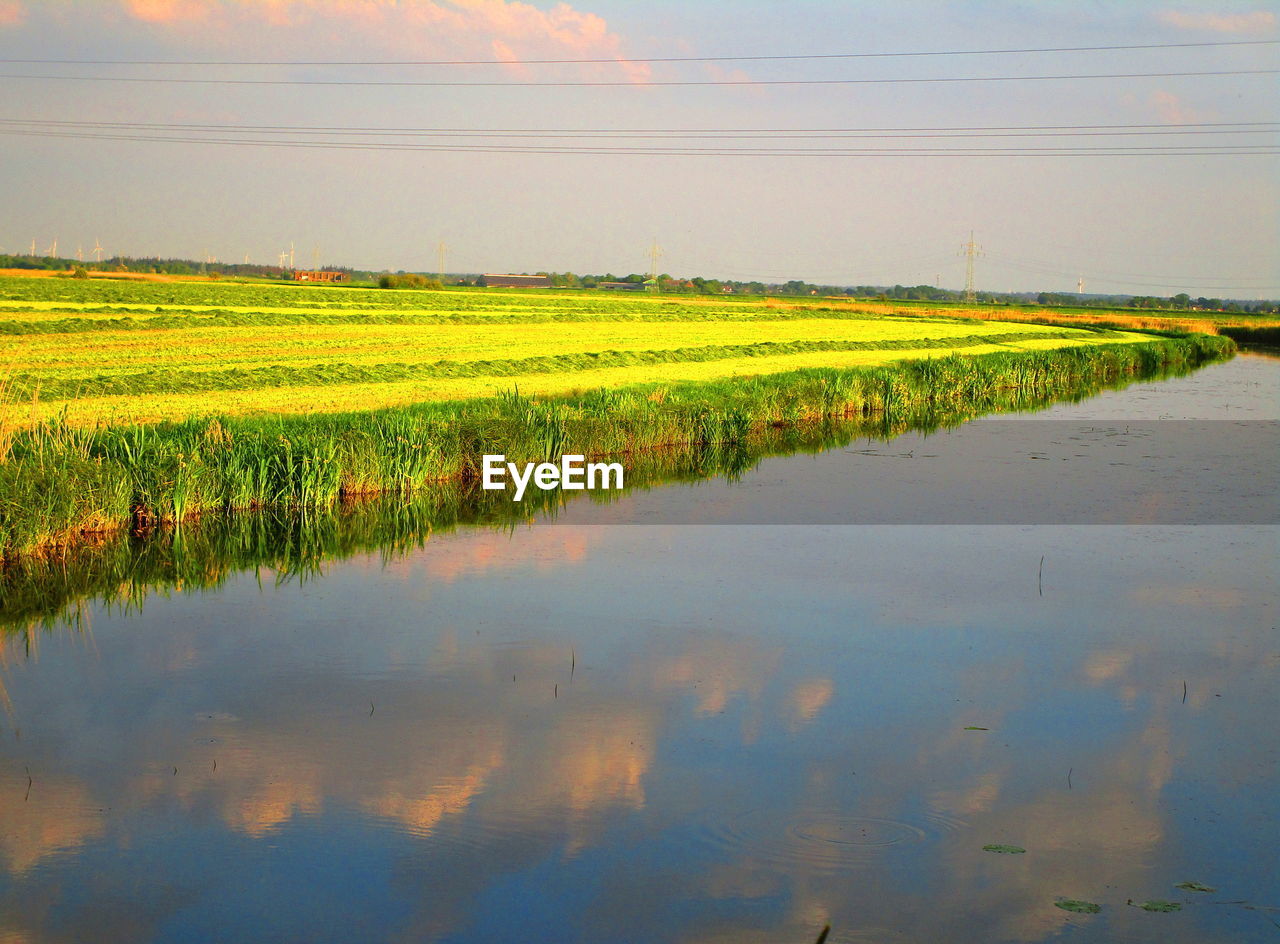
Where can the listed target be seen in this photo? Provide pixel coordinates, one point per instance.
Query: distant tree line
(158, 266)
(1179, 302)
(697, 285)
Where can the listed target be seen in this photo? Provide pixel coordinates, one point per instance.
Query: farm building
(325, 276)
(517, 281)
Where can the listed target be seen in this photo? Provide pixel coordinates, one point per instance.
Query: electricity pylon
(655, 253)
(971, 251)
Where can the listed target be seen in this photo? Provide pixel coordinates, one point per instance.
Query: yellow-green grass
(346, 397)
(109, 352)
(141, 352)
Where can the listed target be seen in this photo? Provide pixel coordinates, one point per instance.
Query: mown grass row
(25, 386)
(234, 319)
(228, 295)
(57, 480)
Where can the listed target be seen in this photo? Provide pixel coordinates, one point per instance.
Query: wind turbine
(52, 251)
(80, 253)
(97, 249)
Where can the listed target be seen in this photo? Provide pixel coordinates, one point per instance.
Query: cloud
(1173, 110)
(505, 53)
(1259, 21)
(167, 11)
(507, 30)
(12, 13)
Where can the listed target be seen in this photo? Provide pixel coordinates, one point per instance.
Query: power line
(655, 131)
(1211, 128)
(622, 60)
(1059, 151)
(355, 83)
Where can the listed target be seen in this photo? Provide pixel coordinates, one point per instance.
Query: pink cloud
(508, 30)
(1173, 110)
(12, 13)
(167, 11)
(1259, 21)
(505, 53)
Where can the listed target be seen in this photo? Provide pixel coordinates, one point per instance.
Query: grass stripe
(169, 321)
(25, 386)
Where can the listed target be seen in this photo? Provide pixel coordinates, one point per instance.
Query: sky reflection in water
(663, 734)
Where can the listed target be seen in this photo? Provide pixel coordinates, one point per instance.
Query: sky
(1129, 216)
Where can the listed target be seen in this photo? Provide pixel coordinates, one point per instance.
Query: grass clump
(1160, 905)
(1195, 887)
(1077, 906)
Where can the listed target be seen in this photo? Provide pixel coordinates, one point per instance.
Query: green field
(130, 352)
(128, 403)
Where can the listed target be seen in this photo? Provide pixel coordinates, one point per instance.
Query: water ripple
(817, 840)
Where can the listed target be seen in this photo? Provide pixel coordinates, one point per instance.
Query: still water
(699, 713)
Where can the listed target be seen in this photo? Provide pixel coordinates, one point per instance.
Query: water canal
(728, 710)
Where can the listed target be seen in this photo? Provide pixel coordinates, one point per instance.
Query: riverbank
(60, 482)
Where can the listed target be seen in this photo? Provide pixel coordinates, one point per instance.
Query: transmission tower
(971, 251)
(655, 253)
